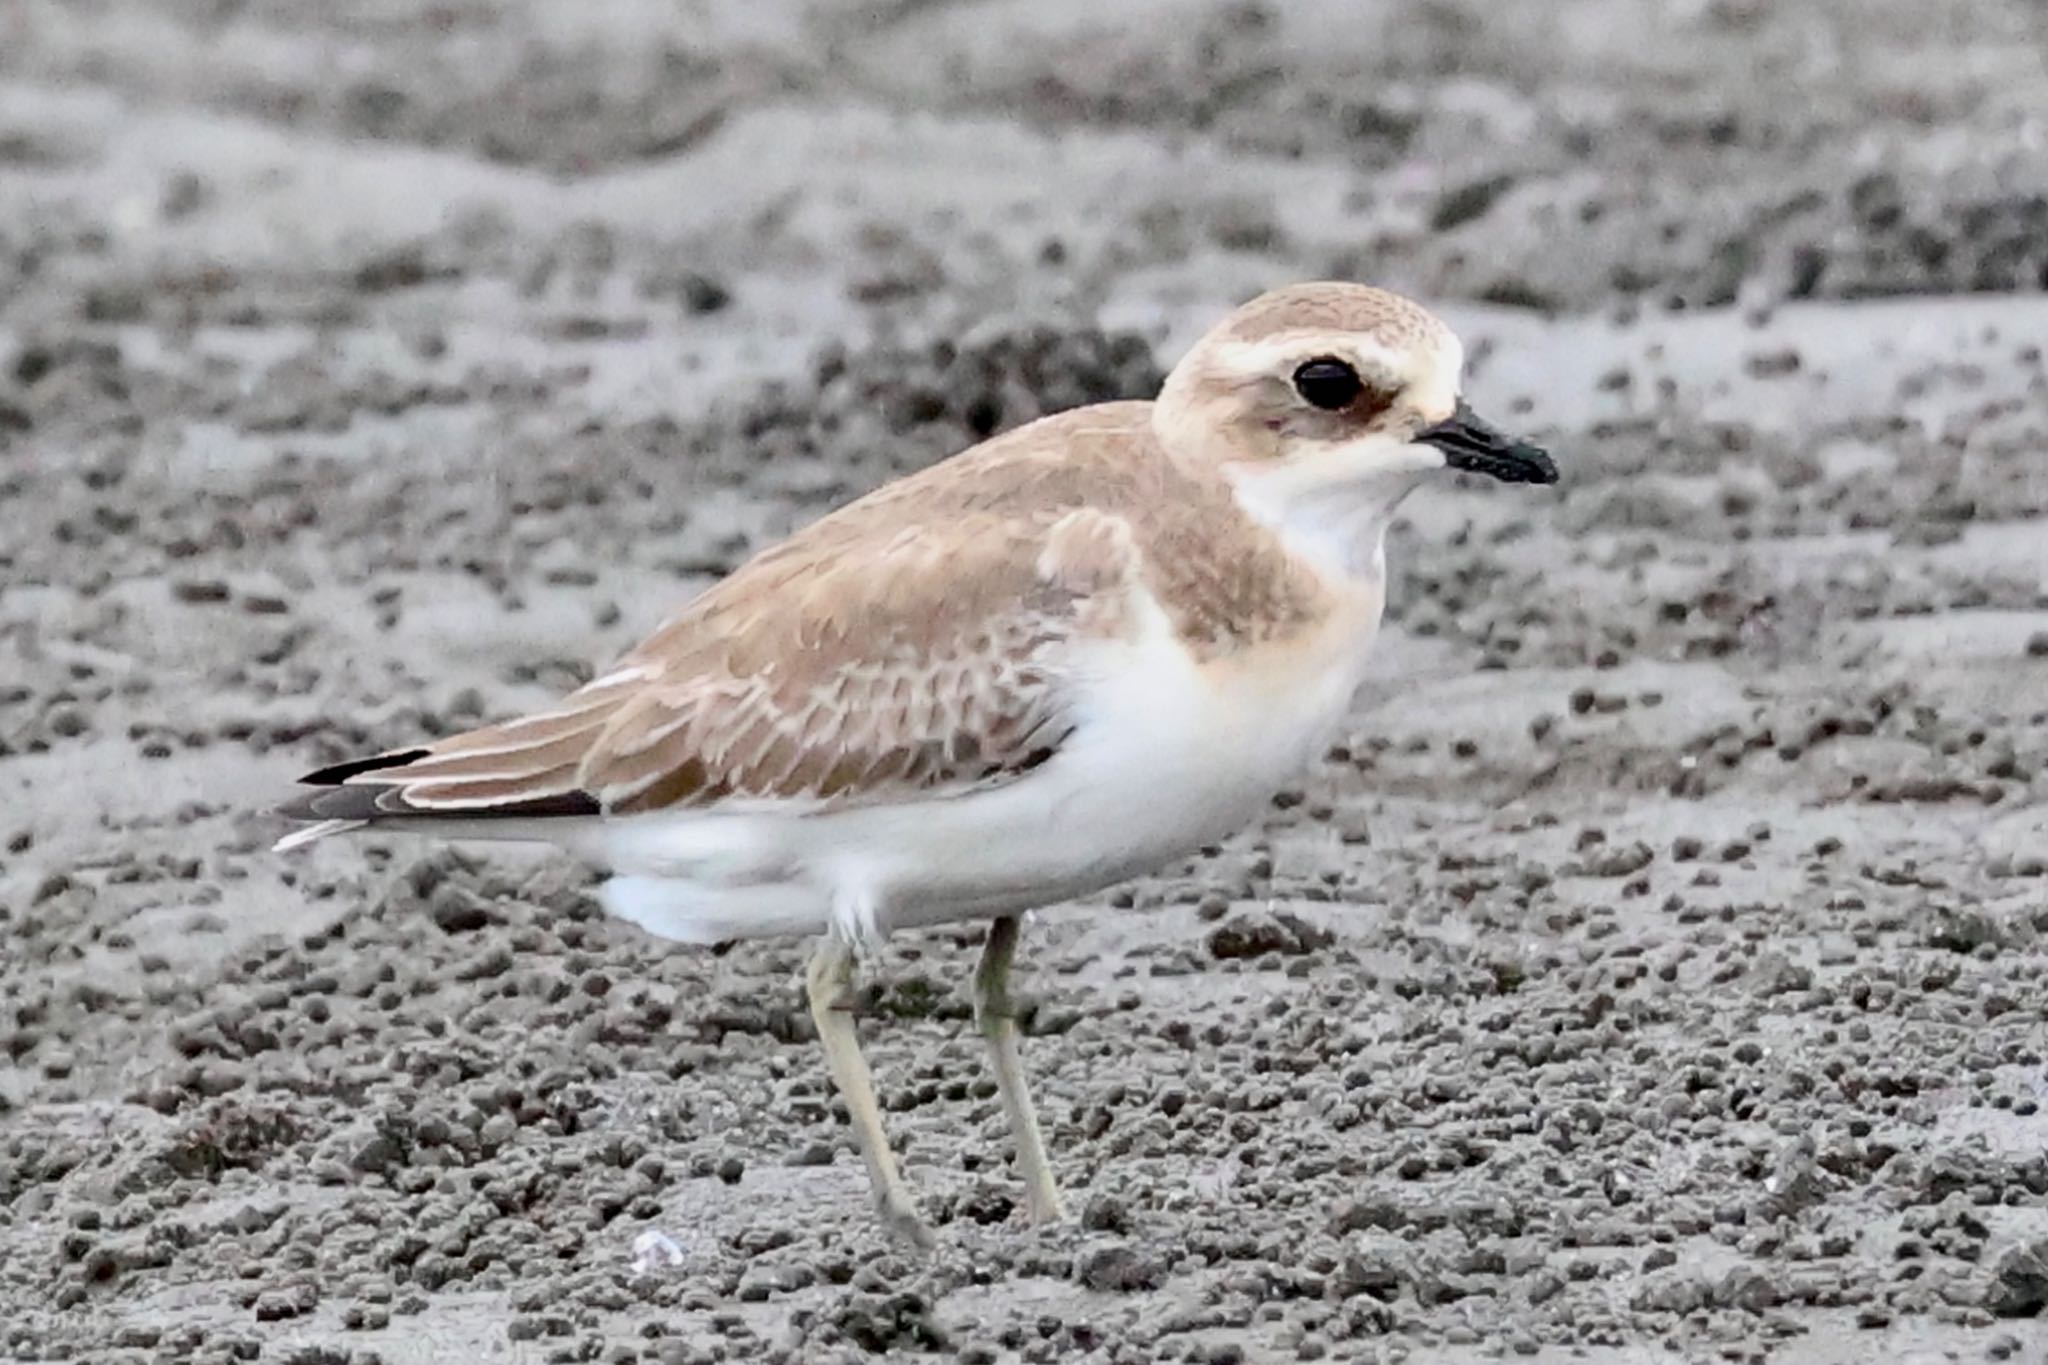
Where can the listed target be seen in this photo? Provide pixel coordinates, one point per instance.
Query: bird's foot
(1044, 1212)
(901, 1220)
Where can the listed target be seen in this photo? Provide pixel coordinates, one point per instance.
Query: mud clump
(1255, 935)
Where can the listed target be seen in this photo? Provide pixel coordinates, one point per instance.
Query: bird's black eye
(1327, 383)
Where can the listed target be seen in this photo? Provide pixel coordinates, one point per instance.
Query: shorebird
(1060, 659)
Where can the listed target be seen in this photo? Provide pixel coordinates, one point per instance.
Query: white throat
(1340, 526)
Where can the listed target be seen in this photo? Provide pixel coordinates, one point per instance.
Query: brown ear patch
(1374, 400)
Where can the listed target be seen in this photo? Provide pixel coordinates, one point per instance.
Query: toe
(903, 1223)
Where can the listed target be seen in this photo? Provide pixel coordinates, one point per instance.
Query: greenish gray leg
(829, 984)
(997, 1018)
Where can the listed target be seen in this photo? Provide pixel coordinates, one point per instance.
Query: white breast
(1168, 755)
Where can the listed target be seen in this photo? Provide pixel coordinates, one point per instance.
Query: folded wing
(862, 661)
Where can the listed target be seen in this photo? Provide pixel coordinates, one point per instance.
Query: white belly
(1166, 757)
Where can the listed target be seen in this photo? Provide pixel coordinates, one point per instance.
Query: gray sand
(1654, 972)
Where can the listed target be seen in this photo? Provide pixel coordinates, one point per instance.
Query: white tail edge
(299, 838)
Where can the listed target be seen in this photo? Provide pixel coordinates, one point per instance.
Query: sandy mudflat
(1658, 970)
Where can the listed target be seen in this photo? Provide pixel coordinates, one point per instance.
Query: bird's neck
(1338, 527)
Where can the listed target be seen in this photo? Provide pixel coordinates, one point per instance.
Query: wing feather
(901, 673)
(926, 666)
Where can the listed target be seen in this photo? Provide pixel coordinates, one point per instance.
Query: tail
(373, 791)
(320, 829)
(511, 780)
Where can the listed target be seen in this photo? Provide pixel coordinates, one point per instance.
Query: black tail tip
(339, 773)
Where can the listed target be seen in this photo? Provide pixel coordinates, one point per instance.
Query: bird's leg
(829, 983)
(997, 1018)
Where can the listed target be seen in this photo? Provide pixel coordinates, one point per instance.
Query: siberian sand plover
(1055, 661)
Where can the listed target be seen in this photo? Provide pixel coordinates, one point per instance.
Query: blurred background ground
(1655, 972)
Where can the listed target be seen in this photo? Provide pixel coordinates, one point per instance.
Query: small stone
(1120, 1269)
(1256, 933)
(2019, 1280)
(1747, 1288)
(1105, 1213)
(200, 590)
(1621, 862)
(1669, 1291)
(291, 1301)
(498, 1130)
(812, 1154)
(702, 294)
(1372, 1268)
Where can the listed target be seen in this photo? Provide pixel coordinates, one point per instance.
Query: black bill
(1470, 442)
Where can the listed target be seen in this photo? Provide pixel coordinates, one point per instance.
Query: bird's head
(1321, 396)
